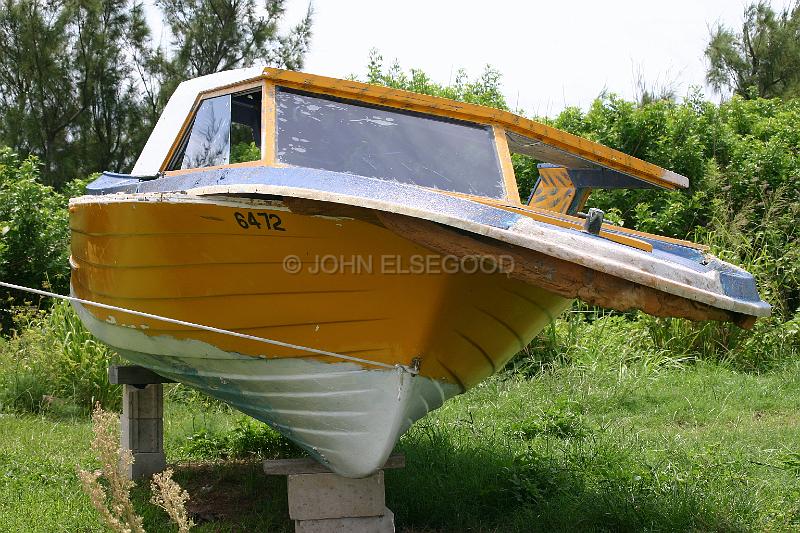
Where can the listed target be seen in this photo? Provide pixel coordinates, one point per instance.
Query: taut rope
(206, 328)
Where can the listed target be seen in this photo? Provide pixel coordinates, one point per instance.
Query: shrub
(27, 374)
(34, 231)
(249, 437)
(743, 160)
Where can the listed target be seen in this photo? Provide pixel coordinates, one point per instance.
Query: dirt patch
(229, 490)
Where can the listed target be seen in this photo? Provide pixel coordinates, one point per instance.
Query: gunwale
(627, 263)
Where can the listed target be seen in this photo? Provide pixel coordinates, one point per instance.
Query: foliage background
(742, 157)
(82, 82)
(606, 420)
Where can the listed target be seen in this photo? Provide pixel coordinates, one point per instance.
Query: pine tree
(761, 61)
(81, 82)
(214, 35)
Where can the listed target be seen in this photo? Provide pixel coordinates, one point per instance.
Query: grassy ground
(585, 447)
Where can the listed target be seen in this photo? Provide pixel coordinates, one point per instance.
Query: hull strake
(191, 259)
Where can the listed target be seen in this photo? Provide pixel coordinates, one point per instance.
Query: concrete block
(143, 403)
(366, 524)
(316, 496)
(142, 434)
(142, 429)
(145, 465)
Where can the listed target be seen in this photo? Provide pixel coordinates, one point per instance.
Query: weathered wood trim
(258, 163)
(268, 125)
(504, 154)
(389, 97)
(232, 89)
(564, 278)
(565, 221)
(385, 96)
(569, 221)
(227, 89)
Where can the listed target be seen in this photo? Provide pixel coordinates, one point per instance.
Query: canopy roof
(526, 136)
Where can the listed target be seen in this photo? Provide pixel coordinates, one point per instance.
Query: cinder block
(316, 496)
(143, 403)
(367, 524)
(145, 465)
(142, 429)
(142, 434)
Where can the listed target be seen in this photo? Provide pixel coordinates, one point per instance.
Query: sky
(552, 54)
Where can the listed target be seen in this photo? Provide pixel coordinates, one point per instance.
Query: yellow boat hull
(335, 282)
(356, 292)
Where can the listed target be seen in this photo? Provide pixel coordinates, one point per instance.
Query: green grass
(578, 447)
(39, 489)
(704, 448)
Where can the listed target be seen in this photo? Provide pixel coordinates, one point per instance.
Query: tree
(64, 94)
(484, 90)
(761, 61)
(81, 83)
(213, 35)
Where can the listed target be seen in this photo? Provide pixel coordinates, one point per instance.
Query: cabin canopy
(271, 117)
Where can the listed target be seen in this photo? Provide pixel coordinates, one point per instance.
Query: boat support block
(321, 501)
(142, 420)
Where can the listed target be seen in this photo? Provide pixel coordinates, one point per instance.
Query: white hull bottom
(346, 416)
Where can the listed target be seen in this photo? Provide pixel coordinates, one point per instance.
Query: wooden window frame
(201, 97)
(506, 165)
(269, 133)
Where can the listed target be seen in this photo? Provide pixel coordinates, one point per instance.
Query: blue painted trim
(602, 178)
(109, 183)
(533, 190)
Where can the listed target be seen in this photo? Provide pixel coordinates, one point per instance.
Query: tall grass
(766, 245)
(51, 362)
(762, 245)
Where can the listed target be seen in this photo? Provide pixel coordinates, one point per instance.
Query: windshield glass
(343, 136)
(225, 129)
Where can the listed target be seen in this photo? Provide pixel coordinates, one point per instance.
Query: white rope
(206, 328)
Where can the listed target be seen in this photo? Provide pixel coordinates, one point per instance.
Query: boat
(338, 259)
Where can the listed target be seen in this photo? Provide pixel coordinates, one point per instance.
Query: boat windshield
(345, 136)
(225, 129)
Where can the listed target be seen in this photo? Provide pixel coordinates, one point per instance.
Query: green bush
(27, 375)
(34, 232)
(743, 161)
(248, 438)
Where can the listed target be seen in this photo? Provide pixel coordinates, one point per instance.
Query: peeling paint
(345, 415)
